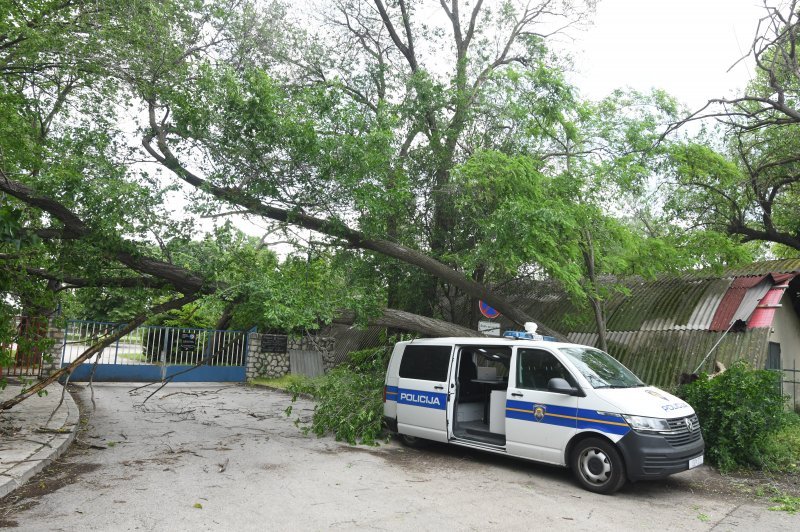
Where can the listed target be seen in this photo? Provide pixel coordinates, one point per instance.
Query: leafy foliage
(739, 411)
(781, 450)
(349, 398)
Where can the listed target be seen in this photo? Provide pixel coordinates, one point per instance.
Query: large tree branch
(183, 280)
(107, 282)
(335, 228)
(751, 234)
(406, 321)
(406, 50)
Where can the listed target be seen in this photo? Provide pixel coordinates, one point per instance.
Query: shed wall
(786, 332)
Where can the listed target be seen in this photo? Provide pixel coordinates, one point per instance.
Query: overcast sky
(682, 46)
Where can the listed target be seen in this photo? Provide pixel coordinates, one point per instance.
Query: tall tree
(750, 186)
(384, 116)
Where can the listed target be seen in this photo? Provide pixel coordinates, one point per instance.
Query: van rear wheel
(413, 441)
(598, 466)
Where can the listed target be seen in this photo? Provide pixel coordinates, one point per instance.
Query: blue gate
(154, 353)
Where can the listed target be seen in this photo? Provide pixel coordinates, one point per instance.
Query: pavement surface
(228, 458)
(33, 434)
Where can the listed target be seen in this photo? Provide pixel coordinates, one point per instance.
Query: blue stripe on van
(391, 393)
(566, 417)
(434, 400)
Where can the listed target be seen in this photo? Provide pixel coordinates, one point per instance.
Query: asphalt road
(227, 458)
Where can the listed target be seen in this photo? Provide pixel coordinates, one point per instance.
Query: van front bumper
(651, 456)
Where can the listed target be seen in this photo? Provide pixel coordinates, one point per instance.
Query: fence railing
(156, 345)
(792, 384)
(26, 347)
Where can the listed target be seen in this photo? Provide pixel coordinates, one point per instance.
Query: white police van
(552, 402)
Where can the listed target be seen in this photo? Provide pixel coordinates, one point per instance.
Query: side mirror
(559, 385)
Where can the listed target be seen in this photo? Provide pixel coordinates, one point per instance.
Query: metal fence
(156, 345)
(27, 345)
(790, 385)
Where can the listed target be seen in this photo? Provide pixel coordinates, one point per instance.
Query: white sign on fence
(489, 328)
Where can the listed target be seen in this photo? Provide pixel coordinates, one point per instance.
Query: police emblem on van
(539, 413)
(656, 394)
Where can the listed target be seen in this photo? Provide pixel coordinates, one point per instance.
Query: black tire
(598, 466)
(413, 441)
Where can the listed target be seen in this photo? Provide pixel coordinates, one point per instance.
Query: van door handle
(516, 394)
(438, 387)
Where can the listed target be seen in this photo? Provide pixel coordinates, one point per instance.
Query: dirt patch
(51, 479)
(759, 484)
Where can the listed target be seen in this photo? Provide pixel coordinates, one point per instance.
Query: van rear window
(425, 362)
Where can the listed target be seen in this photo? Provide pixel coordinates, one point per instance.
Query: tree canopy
(409, 163)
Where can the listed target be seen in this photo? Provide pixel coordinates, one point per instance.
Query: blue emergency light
(523, 335)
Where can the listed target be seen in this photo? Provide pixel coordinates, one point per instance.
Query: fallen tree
(336, 229)
(160, 273)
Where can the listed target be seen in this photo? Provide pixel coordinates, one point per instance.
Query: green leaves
(349, 399)
(739, 410)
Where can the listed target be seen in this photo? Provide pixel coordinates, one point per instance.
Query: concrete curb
(32, 448)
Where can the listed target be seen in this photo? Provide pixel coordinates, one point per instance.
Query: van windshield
(600, 369)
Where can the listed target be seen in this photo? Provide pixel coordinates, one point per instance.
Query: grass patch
(283, 383)
(138, 357)
(786, 503)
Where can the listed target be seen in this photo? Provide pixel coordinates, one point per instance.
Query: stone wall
(51, 361)
(325, 344)
(276, 365)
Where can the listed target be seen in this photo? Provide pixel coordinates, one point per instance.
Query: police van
(557, 403)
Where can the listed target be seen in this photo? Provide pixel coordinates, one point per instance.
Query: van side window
(535, 368)
(425, 362)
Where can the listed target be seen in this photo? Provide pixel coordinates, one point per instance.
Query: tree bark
(406, 321)
(599, 318)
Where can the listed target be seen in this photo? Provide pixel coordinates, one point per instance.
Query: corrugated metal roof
(659, 357)
(690, 302)
(661, 328)
(703, 312)
(765, 312)
(731, 301)
(763, 268)
(751, 298)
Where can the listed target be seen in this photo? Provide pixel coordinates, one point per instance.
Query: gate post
(51, 360)
(253, 350)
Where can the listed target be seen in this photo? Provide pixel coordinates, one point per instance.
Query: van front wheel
(598, 466)
(413, 441)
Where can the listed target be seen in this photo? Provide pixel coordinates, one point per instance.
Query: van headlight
(647, 424)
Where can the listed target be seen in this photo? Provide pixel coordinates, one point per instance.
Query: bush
(739, 411)
(781, 450)
(349, 398)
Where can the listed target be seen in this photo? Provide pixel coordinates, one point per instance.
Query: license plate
(694, 462)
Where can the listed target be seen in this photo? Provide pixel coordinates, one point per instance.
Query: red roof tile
(731, 301)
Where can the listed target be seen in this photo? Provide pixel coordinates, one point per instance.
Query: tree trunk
(406, 321)
(594, 300)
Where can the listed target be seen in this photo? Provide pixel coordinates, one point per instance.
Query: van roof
(472, 340)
